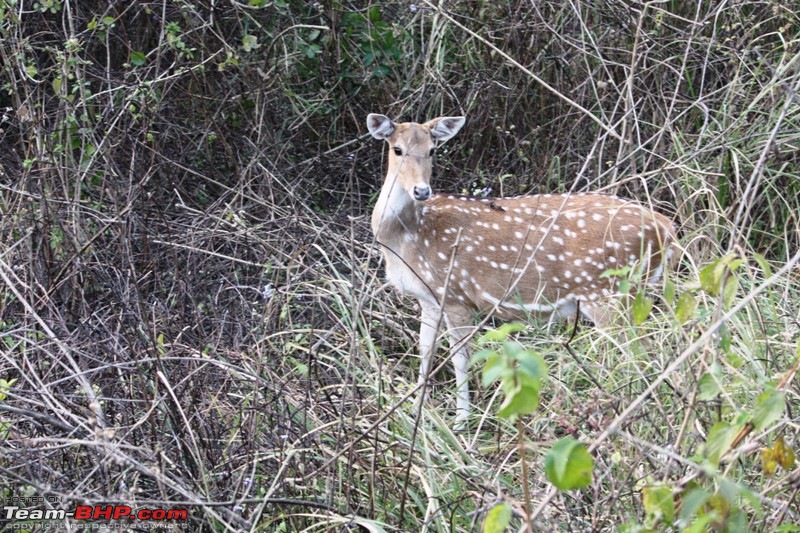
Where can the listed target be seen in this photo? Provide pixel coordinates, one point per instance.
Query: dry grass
(192, 312)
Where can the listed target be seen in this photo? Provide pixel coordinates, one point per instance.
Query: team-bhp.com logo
(94, 512)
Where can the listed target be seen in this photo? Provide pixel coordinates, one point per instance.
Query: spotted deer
(514, 257)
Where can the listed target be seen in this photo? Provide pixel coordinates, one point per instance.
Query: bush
(190, 308)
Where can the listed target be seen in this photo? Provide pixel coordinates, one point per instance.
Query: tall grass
(192, 310)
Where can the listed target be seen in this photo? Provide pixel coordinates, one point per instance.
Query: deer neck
(396, 215)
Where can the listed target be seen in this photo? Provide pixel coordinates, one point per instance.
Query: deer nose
(422, 193)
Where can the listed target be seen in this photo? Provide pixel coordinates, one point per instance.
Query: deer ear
(380, 126)
(444, 128)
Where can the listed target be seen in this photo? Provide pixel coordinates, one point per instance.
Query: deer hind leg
(459, 328)
(603, 314)
(565, 311)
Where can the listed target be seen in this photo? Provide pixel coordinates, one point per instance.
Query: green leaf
(739, 495)
(735, 360)
(616, 272)
(736, 522)
(497, 519)
(138, 59)
(710, 384)
(519, 371)
(729, 292)
(624, 286)
(641, 307)
(725, 338)
(521, 399)
(701, 524)
(769, 408)
(494, 368)
(532, 364)
(312, 50)
(727, 490)
(687, 304)
(512, 349)
(374, 14)
(711, 277)
(568, 465)
(659, 503)
(692, 502)
(719, 441)
(669, 290)
(249, 43)
(5, 386)
(763, 263)
(733, 264)
(502, 333)
(481, 355)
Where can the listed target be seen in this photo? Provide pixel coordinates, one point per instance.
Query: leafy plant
(5, 386)
(175, 40)
(53, 6)
(778, 454)
(519, 371)
(718, 500)
(568, 465)
(371, 43)
(630, 277)
(497, 519)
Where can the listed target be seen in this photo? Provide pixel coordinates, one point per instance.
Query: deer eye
(432, 151)
(397, 151)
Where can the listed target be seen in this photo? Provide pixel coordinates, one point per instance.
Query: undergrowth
(192, 309)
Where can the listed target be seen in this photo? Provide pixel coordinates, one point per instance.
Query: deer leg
(459, 327)
(602, 315)
(427, 340)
